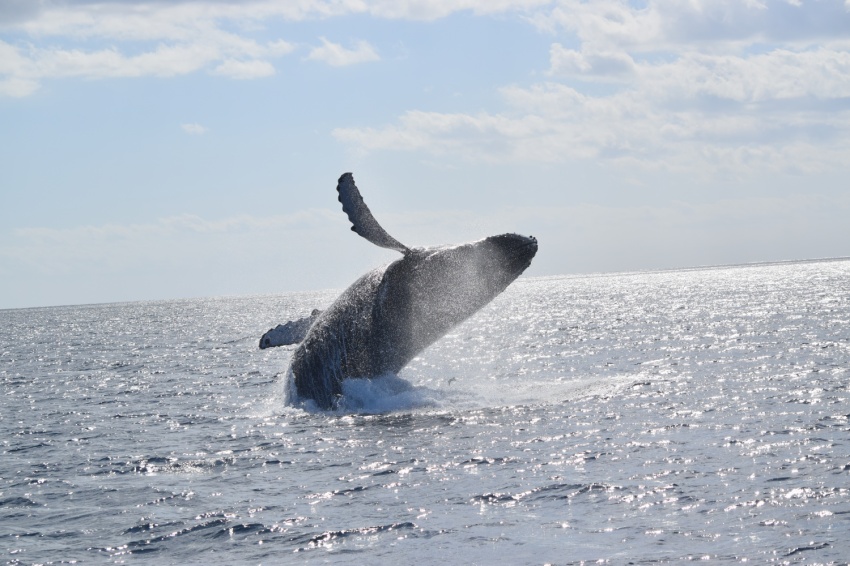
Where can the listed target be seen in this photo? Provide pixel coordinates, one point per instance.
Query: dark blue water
(643, 417)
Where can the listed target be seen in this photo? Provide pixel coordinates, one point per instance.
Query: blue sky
(153, 150)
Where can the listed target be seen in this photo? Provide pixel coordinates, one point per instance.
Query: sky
(154, 149)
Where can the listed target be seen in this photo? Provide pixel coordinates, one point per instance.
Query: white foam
(390, 393)
(385, 394)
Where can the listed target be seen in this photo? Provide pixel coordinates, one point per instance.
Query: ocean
(650, 417)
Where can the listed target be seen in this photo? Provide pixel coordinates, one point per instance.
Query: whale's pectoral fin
(361, 217)
(292, 332)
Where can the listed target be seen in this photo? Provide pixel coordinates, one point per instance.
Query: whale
(392, 313)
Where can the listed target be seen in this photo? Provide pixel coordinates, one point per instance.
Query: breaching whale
(392, 313)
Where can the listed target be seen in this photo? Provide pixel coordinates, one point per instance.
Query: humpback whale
(392, 313)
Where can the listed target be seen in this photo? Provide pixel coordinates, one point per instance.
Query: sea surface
(623, 418)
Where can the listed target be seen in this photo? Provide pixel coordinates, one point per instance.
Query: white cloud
(164, 61)
(778, 126)
(194, 129)
(336, 55)
(688, 86)
(600, 66)
(244, 69)
(145, 39)
(697, 24)
(25, 67)
(153, 38)
(779, 74)
(428, 10)
(146, 19)
(17, 88)
(14, 81)
(699, 85)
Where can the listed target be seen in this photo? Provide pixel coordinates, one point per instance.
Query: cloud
(696, 24)
(15, 11)
(194, 129)
(598, 66)
(244, 69)
(152, 18)
(780, 74)
(336, 55)
(649, 127)
(703, 85)
(17, 87)
(742, 90)
(25, 67)
(429, 10)
(142, 39)
(13, 79)
(153, 38)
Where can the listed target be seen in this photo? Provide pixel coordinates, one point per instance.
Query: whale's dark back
(391, 314)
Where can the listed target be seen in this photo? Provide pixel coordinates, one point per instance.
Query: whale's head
(504, 256)
(474, 271)
(432, 290)
(455, 279)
